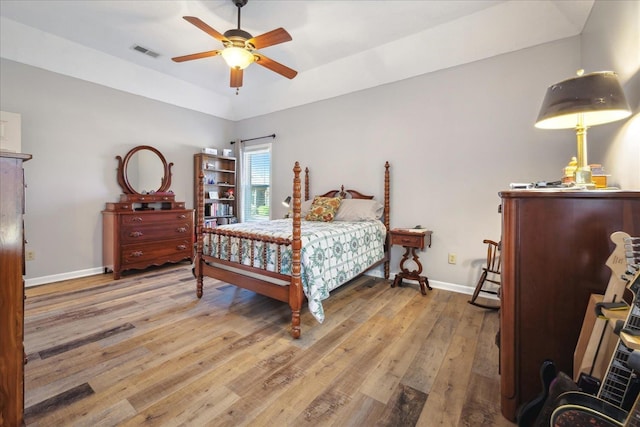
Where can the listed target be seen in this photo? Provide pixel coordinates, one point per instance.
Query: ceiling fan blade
(277, 36)
(236, 77)
(196, 56)
(206, 28)
(275, 66)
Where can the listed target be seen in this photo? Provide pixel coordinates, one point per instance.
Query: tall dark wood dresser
(12, 269)
(554, 248)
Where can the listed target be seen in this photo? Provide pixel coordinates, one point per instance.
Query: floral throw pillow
(323, 209)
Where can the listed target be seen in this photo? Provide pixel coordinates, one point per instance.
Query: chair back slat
(489, 273)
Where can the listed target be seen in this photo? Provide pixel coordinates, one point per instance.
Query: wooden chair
(490, 273)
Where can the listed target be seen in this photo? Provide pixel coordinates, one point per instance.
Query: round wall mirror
(144, 170)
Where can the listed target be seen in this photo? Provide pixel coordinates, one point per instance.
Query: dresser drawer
(159, 252)
(410, 240)
(154, 231)
(155, 217)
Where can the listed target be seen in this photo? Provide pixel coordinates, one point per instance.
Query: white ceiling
(338, 46)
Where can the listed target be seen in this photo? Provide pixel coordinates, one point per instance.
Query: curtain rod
(273, 135)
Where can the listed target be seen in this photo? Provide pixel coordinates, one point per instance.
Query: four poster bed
(296, 259)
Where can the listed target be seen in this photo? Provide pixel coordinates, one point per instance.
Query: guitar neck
(616, 382)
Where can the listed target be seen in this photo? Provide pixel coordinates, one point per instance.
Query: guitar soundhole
(577, 418)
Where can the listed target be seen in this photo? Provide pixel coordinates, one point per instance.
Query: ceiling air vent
(145, 51)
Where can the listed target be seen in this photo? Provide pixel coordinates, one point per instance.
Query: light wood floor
(144, 350)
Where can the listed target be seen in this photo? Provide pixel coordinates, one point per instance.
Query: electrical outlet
(30, 255)
(452, 258)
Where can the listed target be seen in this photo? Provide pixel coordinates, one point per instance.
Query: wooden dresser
(145, 228)
(12, 268)
(554, 248)
(138, 239)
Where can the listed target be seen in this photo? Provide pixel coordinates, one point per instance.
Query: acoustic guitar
(605, 415)
(577, 408)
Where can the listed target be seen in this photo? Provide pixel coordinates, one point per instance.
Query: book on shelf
(218, 209)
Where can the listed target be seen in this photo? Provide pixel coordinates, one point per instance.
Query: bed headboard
(346, 194)
(343, 193)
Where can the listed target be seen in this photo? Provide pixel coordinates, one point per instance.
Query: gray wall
(616, 47)
(74, 130)
(454, 138)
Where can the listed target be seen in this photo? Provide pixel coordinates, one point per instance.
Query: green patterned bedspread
(332, 252)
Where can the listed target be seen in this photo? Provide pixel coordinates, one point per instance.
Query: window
(256, 182)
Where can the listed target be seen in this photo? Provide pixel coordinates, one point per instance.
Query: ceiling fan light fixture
(237, 57)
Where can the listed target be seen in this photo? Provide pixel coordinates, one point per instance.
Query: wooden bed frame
(292, 292)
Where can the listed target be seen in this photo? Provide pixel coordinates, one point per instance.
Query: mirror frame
(122, 170)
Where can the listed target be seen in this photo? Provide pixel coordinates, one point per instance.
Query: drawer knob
(136, 254)
(183, 216)
(182, 247)
(136, 219)
(182, 230)
(135, 234)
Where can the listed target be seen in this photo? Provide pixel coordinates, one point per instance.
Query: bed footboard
(219, 262)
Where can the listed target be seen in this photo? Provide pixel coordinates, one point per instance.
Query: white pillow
(359, 210)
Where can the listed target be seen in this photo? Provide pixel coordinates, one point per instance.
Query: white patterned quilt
(332, 252)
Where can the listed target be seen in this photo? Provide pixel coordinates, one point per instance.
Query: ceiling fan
(240, 48)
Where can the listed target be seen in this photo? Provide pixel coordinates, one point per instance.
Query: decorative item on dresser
(147, 226)
(12, 269)
(555, 245)
(579, 103)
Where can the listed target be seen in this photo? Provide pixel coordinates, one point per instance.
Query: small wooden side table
(411, 239)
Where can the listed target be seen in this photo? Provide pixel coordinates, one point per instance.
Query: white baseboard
(452, 287)
(62, 276)
(36, 281)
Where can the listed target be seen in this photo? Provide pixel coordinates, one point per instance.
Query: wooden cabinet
(554, 248)
(218, 176)
(12, 268)
(139, 239)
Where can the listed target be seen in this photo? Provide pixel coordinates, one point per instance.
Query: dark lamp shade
(286, 202)
(598, 97)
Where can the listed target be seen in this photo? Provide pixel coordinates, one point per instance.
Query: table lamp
(580, 102)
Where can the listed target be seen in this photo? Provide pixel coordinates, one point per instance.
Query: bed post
(306, 183)
(386, 219)
(199, 234)
(295, 288)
